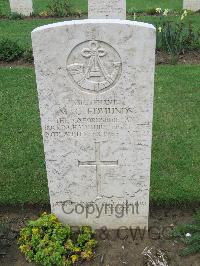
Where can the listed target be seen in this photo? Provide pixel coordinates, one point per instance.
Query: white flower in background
(184, 15)
(166, 11)
(158, 10)
(159, 29)
(188, 235)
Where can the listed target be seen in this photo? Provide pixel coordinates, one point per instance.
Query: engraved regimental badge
(94, 66)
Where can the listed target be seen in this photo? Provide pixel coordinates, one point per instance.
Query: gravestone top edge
(96, 21)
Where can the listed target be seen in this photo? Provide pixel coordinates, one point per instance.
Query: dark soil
(115, 248)
(191, 58)
(20, 62)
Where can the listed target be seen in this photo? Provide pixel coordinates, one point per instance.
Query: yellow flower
(24, 248)
(159, 29)
(44, 14)
(35, 231)
(23, 238)
(53, 218)
(74, 258)
(166, 11)
(158, 10)
(77, 249)
(69, 245)
(46, 238)
(86, 255)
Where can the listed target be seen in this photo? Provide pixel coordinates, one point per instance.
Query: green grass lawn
(22, 170)
(138, 5)
(176, 147)
(20, 30)
(4, 7)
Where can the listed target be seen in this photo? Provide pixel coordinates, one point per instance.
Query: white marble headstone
(95, 81)
(24, 7)
(193, 5)
(106, 9)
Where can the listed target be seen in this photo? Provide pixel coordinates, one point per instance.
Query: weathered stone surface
(107, 9)
(193, 5)
(24, 7)
(95, 81)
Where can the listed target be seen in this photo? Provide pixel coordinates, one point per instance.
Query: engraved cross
(98, 163)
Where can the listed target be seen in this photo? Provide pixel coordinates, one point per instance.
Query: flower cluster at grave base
(47, 242)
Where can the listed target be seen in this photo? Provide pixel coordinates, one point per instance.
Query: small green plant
(78, 13)
(47, 242)
(2, 15)
(28, 55)
(60, 8)
(10, 50)
(176, 37)
(132, 11)
(189, 234)
(15, 16)
(151, 12)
